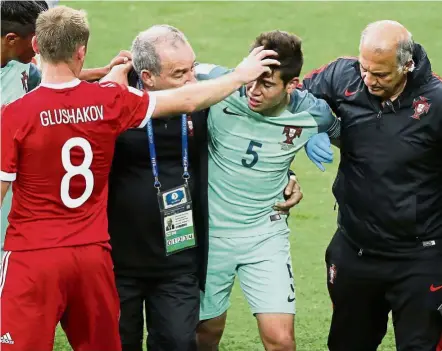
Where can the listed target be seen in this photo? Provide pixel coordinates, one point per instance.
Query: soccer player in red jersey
(57, 145)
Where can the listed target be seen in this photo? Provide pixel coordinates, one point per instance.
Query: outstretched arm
(194, 97)
(198, 96)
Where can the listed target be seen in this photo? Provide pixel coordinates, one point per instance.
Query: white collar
(71, 84)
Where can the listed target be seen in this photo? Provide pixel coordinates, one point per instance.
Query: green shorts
(264, 268)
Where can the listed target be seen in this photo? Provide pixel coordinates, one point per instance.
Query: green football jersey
(14, 81)
(250, 155)
(17, 79)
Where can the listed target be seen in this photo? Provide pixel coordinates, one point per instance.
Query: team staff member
(168, 285)
(387, 252)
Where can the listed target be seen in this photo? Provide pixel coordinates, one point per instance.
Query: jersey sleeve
(321, 113)
(206, 71)
(135, 106)
(9, 143)
(320, 82)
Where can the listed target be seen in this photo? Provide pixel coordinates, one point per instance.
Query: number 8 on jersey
(71, 171)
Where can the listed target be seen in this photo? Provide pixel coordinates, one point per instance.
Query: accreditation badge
(177, 219)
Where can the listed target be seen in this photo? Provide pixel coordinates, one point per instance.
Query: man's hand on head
(118, 73)
(124, 56)
(257, 63)
(94, 74)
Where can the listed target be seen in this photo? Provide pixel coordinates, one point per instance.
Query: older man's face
(380, 73)
(177, 66)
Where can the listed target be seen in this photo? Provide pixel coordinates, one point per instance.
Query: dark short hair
(288, 47)
(19, 16)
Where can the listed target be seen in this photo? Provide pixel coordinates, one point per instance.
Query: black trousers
(172, 312)
(364, 289)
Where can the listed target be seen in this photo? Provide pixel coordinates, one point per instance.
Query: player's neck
(277, 110)
(57, 73)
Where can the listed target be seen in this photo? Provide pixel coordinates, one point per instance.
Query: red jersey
(57, 148)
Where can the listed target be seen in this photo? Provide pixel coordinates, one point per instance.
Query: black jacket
(134, 218)
(389, 182)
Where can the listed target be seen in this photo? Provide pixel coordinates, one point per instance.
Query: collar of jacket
(422, 72)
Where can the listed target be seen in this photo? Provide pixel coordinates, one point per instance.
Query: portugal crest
(290, 132)
(421, 107)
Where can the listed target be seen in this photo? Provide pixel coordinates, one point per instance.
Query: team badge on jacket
(291, 132)
(421, 106)
(189, 126)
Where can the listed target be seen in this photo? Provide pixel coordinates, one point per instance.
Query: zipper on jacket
(361, 251)
(378, 119)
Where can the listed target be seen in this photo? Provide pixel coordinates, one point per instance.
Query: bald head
(383, 37)
(145, 47)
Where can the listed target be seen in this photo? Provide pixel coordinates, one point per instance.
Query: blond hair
(60, 31)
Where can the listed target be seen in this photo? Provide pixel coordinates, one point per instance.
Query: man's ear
(292, 84)
(35, 45)
(11, 38)
(409, 66)
(147, 78)
(81, 53)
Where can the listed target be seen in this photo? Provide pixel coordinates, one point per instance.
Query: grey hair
(405, 48)
(404, 53)
(145, 55)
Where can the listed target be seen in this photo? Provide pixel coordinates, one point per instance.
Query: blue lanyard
(153, 154)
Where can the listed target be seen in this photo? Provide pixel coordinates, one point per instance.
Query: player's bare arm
(118, 74)
(194, 97)
(5, 187)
